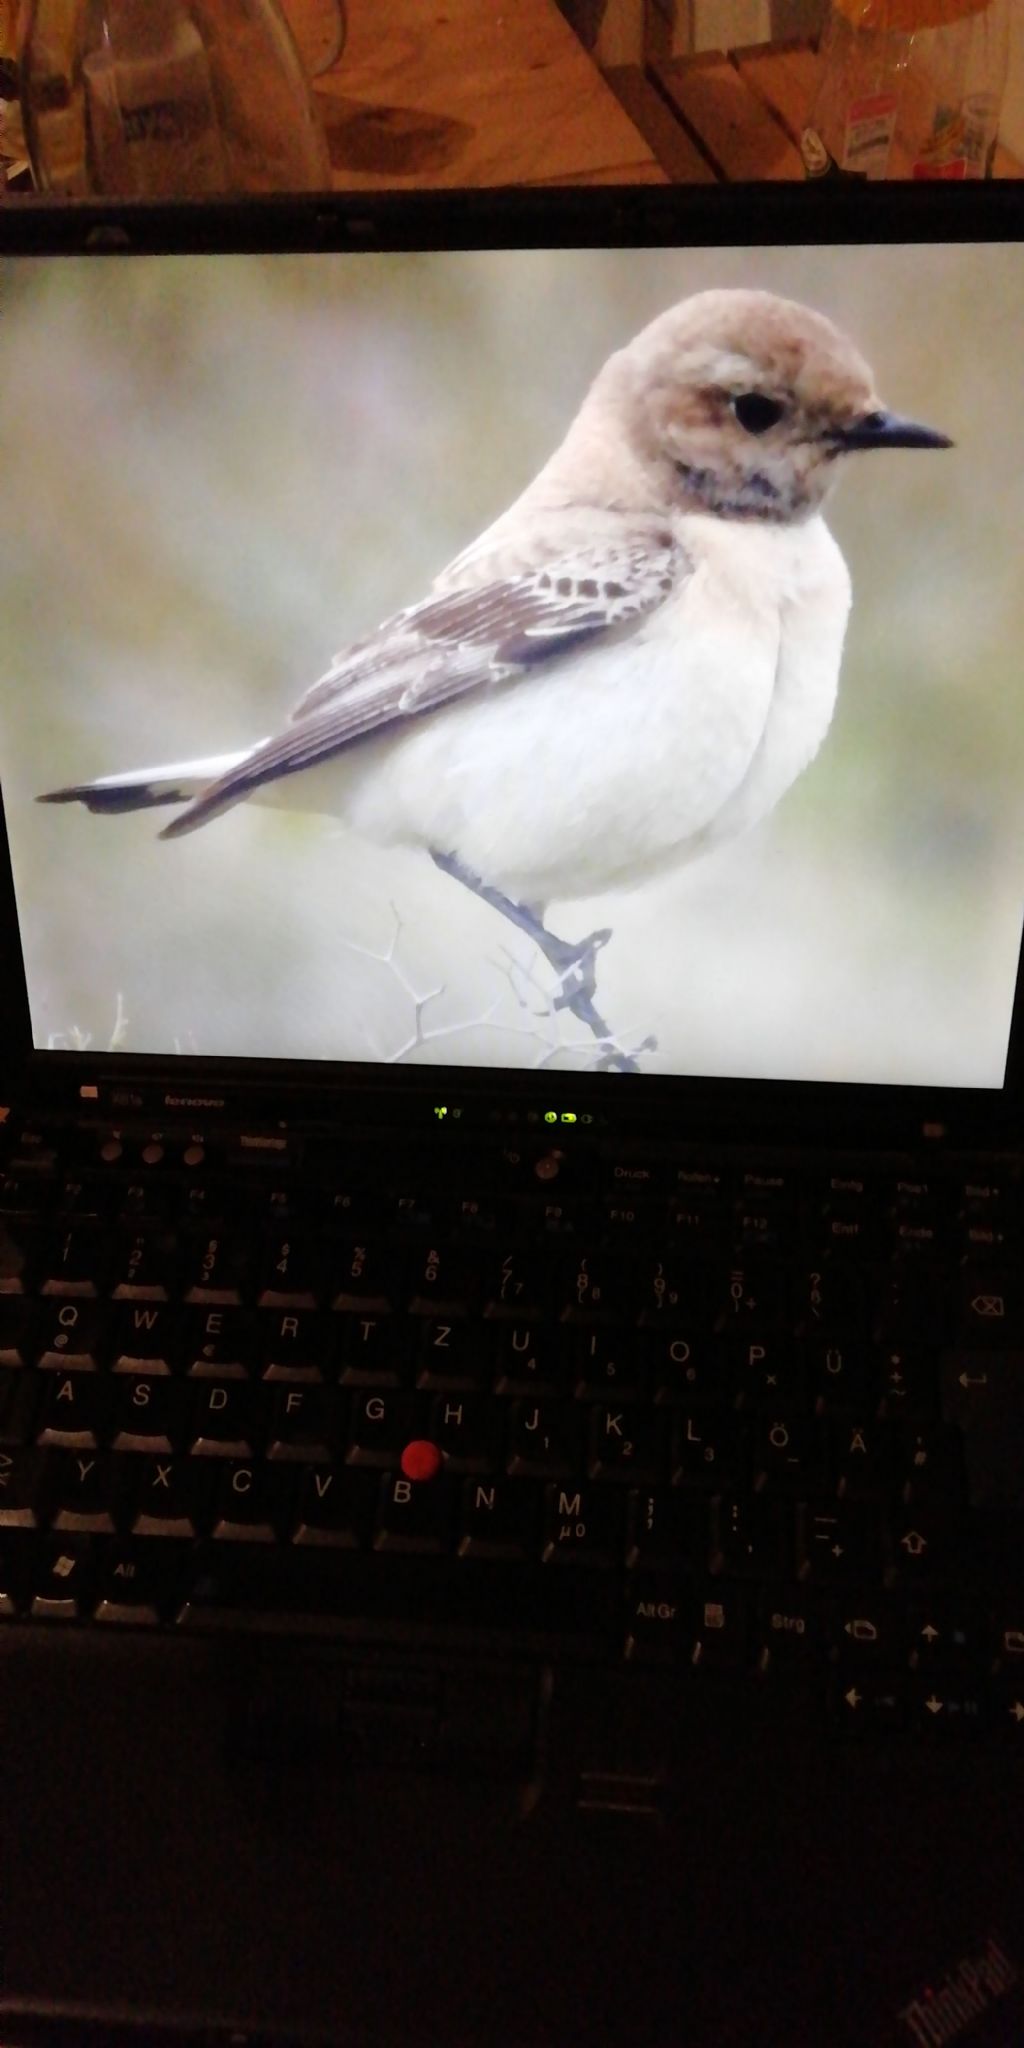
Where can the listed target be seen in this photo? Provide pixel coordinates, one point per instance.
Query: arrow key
(948, 1709)
(921, 1546)
(870, 1704)
(946, 1638)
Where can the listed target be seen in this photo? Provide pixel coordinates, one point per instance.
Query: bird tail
(144, 789)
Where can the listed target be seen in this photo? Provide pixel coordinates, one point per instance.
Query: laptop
(511, 1333)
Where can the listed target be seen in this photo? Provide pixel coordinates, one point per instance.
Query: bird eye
(755, 412)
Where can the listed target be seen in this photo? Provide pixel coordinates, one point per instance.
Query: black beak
(888, 430)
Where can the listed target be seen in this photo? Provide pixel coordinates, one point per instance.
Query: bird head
(742, 404)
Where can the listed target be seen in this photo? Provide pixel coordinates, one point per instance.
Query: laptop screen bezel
(671, 218)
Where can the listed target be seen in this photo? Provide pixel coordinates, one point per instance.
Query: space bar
(341, 1592)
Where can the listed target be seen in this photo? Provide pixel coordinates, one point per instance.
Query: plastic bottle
(907, 88)
(167, 98)
(948, 123)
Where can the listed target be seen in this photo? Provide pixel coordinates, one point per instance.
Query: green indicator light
(551, 1116)
(568, 1116)
(440, 1110)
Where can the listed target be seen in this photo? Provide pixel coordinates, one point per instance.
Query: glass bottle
(158, 99)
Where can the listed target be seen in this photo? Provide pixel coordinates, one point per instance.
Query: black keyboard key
(869, 1631)
(829, 1300)
(530, 1359)
(922, 1545)
(17, 1343)
(146, 1338)
(838, 1543)
(467, 1430)
(750, 1295)
(19, 1391)
(685, 1368)
(215, 1268)
(451, 1356)
(906, 1381)
(143, 1266)
(947, 1635)
(75, 1410)
(218, 1343)
(21, 1489)
(81, 1490)
(667, 1531)
(499, 1518)
(381, 1425)
(593, 1287)
(750, 1538)
(359, 1276)
(629, 1445)
(542, 1440)
(706, 1451)
(861, 1457)
(837, 1376)
(225, 1420)
(169, 1497)
(910, 1303)
(607, 1364)
(74, 1262)
(292, 1345)
(305, 1425)
(983, 1395)
(929, 1462)
(658, 1619)
(990, 1307)
(252, 1502)
(21, 1248)
(720, 1623)
(415, 1514)
(335, 1508)
(517, 1283)
(290, 1273)
(147, 1414)
(60, 1586)
(870, 1704)
(791, 1635)
(583, 1525)
(70, 1336)
(786, 1455)
(669, 1294)
(767, 1373)
(137, 1584)
(443, 1280)
(327, 1590)
(376, 1351)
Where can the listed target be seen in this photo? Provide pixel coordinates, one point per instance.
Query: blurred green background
(215, 472)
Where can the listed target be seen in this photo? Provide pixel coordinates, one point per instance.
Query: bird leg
(574, 961)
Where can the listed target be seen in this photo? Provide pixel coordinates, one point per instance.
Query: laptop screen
(706, 761)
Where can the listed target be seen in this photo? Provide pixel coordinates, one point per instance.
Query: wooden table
(474, 92)
(734, 116)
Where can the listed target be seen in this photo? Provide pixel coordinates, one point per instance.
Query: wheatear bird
(633, 663)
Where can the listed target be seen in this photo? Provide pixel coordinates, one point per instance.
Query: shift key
(983, 1394)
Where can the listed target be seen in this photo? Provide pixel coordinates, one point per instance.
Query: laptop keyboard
(760, 1424)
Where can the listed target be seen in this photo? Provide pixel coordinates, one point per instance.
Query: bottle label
(868, 133)
(961, 143)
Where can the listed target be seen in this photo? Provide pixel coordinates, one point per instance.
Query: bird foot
(575, 961)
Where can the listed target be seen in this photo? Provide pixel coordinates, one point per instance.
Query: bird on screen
(631, 665)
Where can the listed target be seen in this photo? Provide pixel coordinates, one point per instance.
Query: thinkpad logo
(940, 2012)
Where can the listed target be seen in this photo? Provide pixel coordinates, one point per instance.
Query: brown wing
(453, 643)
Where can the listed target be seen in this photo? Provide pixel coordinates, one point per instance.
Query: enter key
(983, 1394)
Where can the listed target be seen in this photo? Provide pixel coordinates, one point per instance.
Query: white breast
(616, 761)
